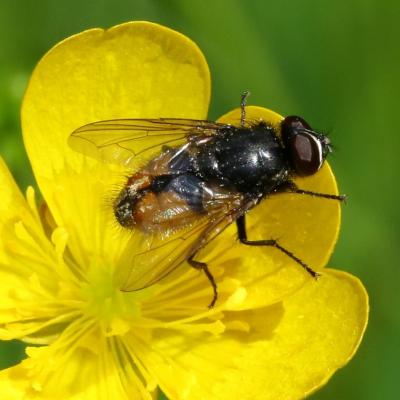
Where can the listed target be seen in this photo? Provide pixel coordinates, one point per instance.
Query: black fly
(202, 176)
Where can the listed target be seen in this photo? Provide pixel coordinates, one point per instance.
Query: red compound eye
(304, 146)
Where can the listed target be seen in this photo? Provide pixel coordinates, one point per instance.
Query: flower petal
(290, 349)
(84, 376)
(13, 208)
(31, 268)
(81, 364)
(133, 70)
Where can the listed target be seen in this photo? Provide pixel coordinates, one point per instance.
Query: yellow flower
(274, 333)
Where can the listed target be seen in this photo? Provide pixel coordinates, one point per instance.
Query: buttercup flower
(274, 333)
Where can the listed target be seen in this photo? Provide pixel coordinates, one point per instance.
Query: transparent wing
(162, 254)
(130, 141)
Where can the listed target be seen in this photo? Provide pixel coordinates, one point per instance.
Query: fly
(202, 176)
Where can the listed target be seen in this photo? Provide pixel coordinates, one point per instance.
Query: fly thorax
(251, 159)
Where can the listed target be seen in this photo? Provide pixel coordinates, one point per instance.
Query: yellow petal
(30, 267)
(13, 210)
(290, 349)
(80, 364)
(133, 70)
(100, 371)
(13, 207)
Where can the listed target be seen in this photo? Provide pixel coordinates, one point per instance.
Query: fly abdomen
(125, 204)
(155, 203)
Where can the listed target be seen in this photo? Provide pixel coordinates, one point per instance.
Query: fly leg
(203, 267)
(291, 187)
(241, 227)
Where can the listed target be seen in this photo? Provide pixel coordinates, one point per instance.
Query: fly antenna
(243, 101)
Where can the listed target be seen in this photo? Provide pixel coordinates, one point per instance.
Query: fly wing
(161, 255)
(129, 142)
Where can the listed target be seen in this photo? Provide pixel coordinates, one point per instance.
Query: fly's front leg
(241, 227)
(203, 267)
(291, 187)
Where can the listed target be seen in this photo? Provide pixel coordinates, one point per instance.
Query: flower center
(106, 303)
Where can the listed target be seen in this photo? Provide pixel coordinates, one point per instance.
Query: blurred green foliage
(335, 63)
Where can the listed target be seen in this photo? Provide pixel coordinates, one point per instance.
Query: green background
(336, 63)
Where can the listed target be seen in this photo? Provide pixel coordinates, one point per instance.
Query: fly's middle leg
(241, 226)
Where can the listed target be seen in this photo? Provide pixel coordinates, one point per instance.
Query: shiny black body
(252, 160)
(249, 160)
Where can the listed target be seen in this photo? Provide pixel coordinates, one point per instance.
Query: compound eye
(293, 125)
(306, 153)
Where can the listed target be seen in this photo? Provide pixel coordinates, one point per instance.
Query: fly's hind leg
(241, 226)
(218, 223)
(203, 267)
